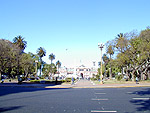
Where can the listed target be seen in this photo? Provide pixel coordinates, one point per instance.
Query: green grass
(120, 82)
(109, 82)
(41, 80)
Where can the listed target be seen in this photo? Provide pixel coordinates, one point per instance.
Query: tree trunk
(127, 72)
(40, 66)
(110, 68)
(122, 70)
(110, 73)
(105, 71)
(149, 75)
(133, 75)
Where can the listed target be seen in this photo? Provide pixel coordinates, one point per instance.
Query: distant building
(78, 72)
(86, 72)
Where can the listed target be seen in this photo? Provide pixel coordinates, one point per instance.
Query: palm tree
(110, 51)
(51, 57)
(106, 60)
(58, 63)
(122, 45)
(41, 53)
(20, 42)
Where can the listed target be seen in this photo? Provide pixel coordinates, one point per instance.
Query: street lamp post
(101, 46)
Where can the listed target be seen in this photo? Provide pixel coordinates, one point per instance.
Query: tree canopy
(132, 51)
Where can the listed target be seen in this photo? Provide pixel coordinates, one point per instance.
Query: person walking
(72, 81)
(2, 79)
(136, 80)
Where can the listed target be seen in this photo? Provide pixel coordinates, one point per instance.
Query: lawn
(114, 81)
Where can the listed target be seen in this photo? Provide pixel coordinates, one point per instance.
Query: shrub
(119, 77)
(35, 81)
(63, 81)
(68, 79)
(93, 79)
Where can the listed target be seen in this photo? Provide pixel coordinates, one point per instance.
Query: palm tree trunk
(40, 66)
(51, 68)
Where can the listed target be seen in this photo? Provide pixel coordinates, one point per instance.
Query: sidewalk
(91, 84)
(78, 84)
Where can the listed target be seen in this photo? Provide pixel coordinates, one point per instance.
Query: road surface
(74, 100)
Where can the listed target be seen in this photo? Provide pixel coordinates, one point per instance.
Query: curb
(73, 86)
(113, 87)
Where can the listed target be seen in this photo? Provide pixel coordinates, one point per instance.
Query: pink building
(79, 71)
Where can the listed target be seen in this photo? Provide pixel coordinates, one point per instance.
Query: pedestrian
(19, 80)
(136, 80)
(72, 80)
(2, 79)
(56, 81)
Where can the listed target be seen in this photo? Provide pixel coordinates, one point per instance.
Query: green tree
(53, 69)
(4, 55)
(27, 64)
(134, 53)
(41, 52)
(46, 70)
(51, 57)
(20, 42)
(110, 50)
(106, 60)
(121, 45)
(144, 56)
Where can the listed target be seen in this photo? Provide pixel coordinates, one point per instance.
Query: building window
(81, 69)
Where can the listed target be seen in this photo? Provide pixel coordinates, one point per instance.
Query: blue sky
(75, 25)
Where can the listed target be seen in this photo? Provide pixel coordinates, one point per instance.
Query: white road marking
(100, 93)
(97, 111)
(141, 98)
(99, 99)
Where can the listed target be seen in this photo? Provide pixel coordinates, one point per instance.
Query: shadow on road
(13, 90)
(143, 105)
(9, 108)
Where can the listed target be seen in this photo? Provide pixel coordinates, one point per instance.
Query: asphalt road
(74, 100)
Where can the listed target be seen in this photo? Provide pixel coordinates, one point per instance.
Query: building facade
(86, 72)
(78, 72)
